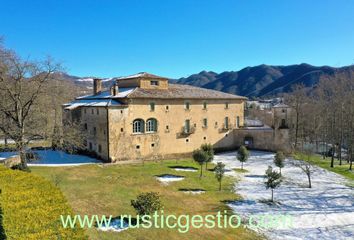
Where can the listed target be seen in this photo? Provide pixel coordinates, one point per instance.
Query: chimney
(114, 89)
(97, 86)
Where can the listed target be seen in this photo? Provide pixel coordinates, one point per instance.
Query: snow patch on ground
(49, 158)
(185, 169)
(5, 155)
(193, 192)
(116, 225)
(325, 211)
(167, 178)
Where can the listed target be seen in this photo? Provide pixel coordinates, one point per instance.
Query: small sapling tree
(273, 180)
(242, 155)
(305, 164)
(200, 157)
(208, 149)
(279, 160)
(219, 172)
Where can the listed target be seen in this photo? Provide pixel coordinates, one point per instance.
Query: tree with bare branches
(27, 95)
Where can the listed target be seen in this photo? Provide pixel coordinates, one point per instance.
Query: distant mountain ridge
(258, 81)
(262, 80)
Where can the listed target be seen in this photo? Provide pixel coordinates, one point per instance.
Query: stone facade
(145, 117)
(170, 140)
(108, 119)
(273, 135)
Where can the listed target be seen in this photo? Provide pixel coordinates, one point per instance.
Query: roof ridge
(208, 89)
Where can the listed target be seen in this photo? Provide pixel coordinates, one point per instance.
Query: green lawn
(339, 169)
(239, 170)
(108, 190)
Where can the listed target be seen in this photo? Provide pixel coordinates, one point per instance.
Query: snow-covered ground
(168, 178)
(116, 225)
(326, 211)
(185, 169)
(4, 155)
(51, 158)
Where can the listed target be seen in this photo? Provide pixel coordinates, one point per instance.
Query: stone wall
(95, 118)
(171, 115)
(264, 139)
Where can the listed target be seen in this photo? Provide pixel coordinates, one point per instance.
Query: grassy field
(339, 169)
(108, 190)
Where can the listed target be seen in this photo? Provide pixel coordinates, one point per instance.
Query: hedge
(30, 208)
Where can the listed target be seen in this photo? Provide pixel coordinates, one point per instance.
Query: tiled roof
(123, 92)
(91, 103)
(176, 91)
(281, 105)
(141, 75)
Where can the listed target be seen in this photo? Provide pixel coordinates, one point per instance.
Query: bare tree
(21, 87)
(305, 164)
(297, 100)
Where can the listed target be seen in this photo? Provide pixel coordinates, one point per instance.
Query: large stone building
(143, 116)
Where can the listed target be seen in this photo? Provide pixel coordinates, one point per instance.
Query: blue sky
(179, 38)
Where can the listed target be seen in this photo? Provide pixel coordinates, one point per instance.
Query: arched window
(151, 125)
(138, 126)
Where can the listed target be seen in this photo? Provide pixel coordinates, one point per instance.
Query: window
(237, 121)
(154, 83)
(94, 130)
(283, 123)
(152, 106)
(204, 138)
(85, 110)
(92, 111)
(152, 145)
(205, 123)
(226, 105)
(205, 105)
(90, 145)
(187, 105)
(97, 111)
(167, 127)
(85, 126)
(226, 123)
(121, 111)
(151, 125)
(187, 126)
(283, 110)
(137, 146)
(167, 108)
(138, 126)
(121, 130)
(99, 148)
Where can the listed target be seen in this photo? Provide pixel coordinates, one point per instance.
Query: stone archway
(248, 141)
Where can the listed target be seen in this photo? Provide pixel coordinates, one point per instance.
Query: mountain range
(257, 81)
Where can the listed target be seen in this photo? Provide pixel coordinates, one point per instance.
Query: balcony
(185, 133)
(225, 128)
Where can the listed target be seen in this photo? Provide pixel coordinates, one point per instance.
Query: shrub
(31, 207)
(147, 203)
